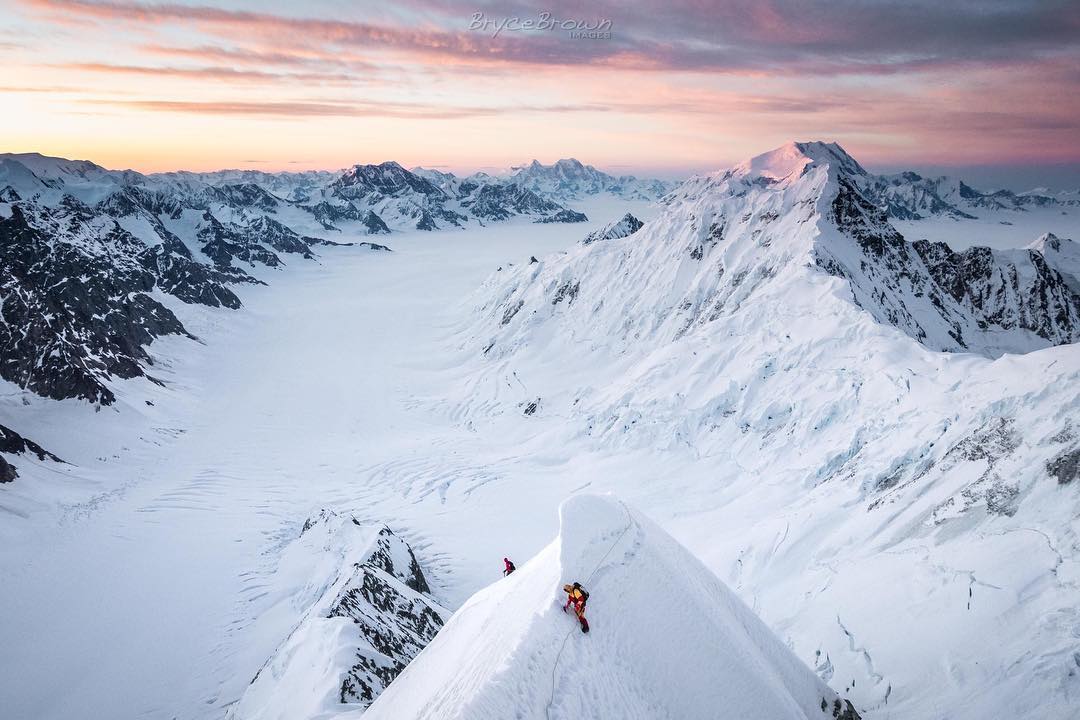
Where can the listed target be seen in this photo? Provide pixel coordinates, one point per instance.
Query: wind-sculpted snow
(770, 324)
(668, 639)
(365, 612)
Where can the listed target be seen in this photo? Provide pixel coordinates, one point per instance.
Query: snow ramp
(668, 639)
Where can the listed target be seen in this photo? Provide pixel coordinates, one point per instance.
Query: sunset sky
(678, 86)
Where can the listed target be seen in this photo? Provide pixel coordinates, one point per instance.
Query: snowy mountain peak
(387, 178)
(794, 158)
(510, 651)
(571, 164)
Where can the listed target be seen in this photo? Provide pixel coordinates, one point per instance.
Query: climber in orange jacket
(577, 596)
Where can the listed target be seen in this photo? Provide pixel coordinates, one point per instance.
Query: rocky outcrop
(371, 614)
(397, 624)
(623, 227)
(13, 443)
(387, 196)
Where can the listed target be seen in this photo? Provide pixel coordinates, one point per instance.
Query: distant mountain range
(84, 249)
(910, 196)
(570, 180)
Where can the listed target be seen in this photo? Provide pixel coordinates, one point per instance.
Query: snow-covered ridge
(362, 610)
(668, 639)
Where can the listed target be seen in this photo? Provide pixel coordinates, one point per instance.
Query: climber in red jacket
(509, 566)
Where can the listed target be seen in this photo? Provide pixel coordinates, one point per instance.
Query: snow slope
(890, 509)
(668, 639)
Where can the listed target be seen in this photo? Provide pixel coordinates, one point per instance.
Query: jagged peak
(386, 165)
(562, 164)
(1049, 239)
(570, 162)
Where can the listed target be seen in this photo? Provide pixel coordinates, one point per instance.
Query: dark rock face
(1065, 467)
(13, 443)
(843, 710)
(242, 195)
(949, 300)
(327, 214)
(8, 473)
(178, 274)
(415, 201)
(224, 243)
(387, 179)
(130, 201)
(76, 308)
(387, 598)
(383, 558)
(375, 246)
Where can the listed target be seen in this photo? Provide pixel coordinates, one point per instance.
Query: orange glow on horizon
(157, 87)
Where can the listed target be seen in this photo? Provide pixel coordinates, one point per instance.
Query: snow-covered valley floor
(132, 577)
(137, 581)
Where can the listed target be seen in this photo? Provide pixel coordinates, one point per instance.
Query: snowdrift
(668, 639)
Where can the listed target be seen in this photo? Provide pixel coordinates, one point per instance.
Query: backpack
(584, 594)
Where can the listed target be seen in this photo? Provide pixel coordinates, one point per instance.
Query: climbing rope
(558, 656)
